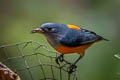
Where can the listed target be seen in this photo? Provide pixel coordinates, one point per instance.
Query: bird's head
(51, 29)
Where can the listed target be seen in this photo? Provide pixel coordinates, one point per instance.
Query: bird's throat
(52, 41)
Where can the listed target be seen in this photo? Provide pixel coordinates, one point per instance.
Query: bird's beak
(37, 30)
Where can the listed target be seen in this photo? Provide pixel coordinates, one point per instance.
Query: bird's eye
(49, 29)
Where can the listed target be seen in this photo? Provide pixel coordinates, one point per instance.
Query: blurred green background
(19, 17)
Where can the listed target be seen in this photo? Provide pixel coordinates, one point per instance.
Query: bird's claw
(72, 68)
(59, 58)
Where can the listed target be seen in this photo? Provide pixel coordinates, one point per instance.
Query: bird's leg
(60, 58)
(73, 65)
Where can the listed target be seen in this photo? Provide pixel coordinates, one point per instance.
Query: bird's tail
(101, 38)
(105, 39)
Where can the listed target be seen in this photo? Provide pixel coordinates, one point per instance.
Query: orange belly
(68, 50)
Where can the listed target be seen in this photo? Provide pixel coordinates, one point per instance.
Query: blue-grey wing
(75, 38)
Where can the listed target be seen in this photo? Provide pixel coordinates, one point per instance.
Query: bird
(68, 39)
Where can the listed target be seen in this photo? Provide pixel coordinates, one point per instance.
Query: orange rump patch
(73, 27)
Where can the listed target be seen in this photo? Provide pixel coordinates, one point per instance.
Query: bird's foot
(59, 58)
(72, 68)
